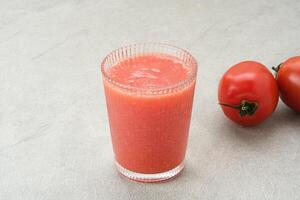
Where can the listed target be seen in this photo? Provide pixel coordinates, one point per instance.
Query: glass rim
(152, 91)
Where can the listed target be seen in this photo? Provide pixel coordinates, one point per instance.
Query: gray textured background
(54, 136)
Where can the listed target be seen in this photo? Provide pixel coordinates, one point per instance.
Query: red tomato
(248, 93)
(288, 79)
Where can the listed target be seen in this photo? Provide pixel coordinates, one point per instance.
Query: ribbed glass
(149, 125)
(134, 50)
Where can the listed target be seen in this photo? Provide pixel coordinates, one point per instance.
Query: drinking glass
(149, 125)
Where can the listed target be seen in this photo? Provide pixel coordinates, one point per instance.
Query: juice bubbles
(149, 100)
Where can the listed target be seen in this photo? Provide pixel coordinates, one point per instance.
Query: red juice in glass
(149, 91)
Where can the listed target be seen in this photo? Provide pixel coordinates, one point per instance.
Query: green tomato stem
(276, 69)
(245, 108)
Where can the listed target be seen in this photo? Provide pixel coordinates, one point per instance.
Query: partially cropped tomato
(288, 79)
(248, 93)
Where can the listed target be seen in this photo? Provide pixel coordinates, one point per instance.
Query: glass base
(150, 178)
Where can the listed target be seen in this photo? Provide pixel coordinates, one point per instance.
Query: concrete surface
(54, 136)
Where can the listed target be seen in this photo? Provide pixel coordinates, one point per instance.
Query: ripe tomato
(288, 79)
(248, 93)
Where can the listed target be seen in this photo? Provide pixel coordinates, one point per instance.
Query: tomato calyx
(276, 69)
(245, 108)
